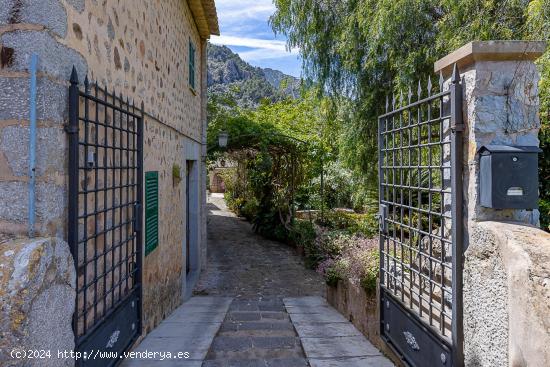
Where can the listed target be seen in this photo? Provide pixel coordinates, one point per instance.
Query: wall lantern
(223, 137)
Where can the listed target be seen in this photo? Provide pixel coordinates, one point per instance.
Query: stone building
(148, 61)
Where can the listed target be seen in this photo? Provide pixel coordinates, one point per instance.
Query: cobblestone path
(257, 330)
(278, 316)
(243, 264)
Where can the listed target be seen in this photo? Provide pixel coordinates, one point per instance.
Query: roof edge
(206, 17)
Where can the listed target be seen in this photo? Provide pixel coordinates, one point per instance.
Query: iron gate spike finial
(387, 103)
(393, 101)
(401, 98)
(441, 81)
(74, 76)
(456, 74)
(86, 83)
(410, 94)
(419, 90)
(429, 85)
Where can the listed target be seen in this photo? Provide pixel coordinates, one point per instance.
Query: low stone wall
(37, 299)
(507, 296)
(362, 310)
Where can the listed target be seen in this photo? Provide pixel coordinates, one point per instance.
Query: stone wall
(506, 256)
(363, 311)
(502, 108)
(137, 48)
(163, 268)
(37, 293)
(506, 296)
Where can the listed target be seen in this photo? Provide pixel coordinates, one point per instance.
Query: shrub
(346, 256)
(544, 208)
(250, 209)
(234, 204)
(333, 243)
(302, 233)
(269, 225)
(365, 224)
(336, 272)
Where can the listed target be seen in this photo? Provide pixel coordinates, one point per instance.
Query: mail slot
(509, 177)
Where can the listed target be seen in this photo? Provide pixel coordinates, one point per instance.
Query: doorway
(192, 226)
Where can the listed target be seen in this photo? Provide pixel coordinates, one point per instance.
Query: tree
(366, 49)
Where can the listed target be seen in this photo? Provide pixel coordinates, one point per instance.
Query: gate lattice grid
(105, 175)
(420, 225)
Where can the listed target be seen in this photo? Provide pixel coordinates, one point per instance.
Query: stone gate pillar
(500, 107)
(504, 324)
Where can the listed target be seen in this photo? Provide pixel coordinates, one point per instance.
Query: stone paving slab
(190, 328)
(337, 347)
(325, 330)
(308, 301)
(371, 361)
(302, 318)
(328, 339)
(165, 363)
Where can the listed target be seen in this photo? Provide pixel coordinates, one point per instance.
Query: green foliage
(176, 172)
(336, 272)
(348, 256)
(365, 50)
(364, 224)
(278, 148)
(302, 233)
(250, 209)
(538, 22)
(544, 207)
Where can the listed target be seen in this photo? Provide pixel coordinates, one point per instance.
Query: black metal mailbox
(509, 177)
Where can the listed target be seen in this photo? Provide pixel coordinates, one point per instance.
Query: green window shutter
(191, 65)
(151, 211)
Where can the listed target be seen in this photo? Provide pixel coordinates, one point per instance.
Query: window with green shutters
(151, 211)
(191, 65)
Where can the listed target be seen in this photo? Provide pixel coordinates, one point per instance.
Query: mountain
(228, 73)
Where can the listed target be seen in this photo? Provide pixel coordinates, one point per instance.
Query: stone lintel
(490, 51)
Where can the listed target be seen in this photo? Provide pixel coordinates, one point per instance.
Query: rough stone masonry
(505, 263)
(37, 292)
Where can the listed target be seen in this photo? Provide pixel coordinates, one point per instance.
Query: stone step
(277, 362)
(256, 332)
(257, 328)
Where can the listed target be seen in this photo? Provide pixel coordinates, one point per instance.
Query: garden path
(257, 305)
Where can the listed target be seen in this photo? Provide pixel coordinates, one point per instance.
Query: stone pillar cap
(490, 51)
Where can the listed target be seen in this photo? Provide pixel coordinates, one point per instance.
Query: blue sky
(245, 30)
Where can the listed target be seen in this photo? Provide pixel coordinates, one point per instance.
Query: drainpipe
(32, 144)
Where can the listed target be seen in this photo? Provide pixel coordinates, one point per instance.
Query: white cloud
(261, 49)
(238, 9)
(260, 54)
(274, 45)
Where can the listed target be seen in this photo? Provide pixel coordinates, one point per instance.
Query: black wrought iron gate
(420, 162)
(105, 191)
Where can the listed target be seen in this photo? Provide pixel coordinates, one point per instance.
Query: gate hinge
(71, 129)
(457, 127)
